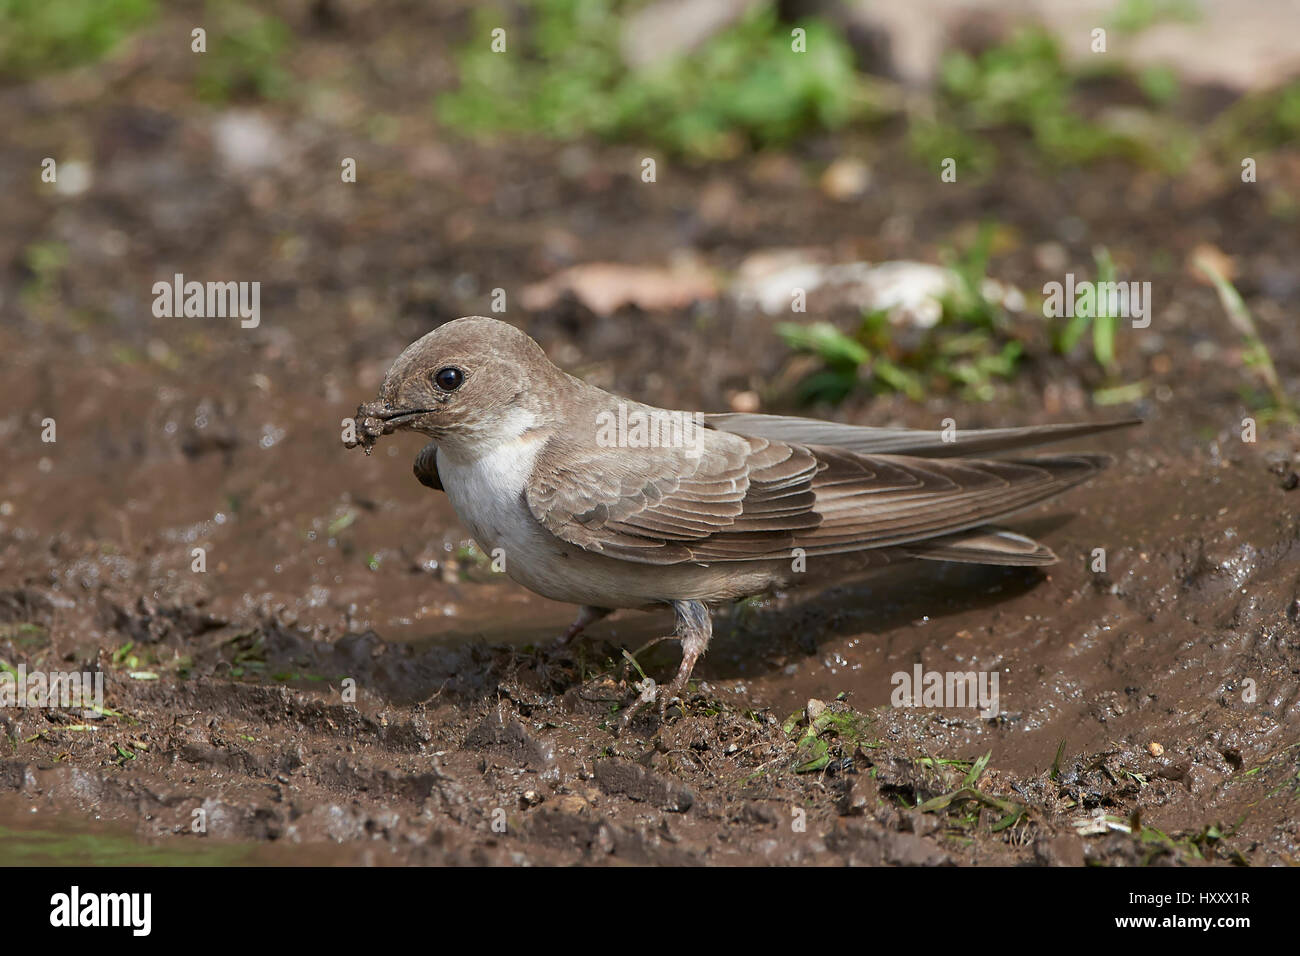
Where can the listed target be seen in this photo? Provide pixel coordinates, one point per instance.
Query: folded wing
(904, 441)
(747, 498)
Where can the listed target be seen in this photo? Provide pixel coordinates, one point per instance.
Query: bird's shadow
(892, 598)
(752, 636)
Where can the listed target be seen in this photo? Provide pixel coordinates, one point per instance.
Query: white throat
(504, 437)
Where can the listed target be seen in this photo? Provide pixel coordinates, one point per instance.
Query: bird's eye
(448, 379)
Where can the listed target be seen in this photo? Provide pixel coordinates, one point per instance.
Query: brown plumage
(747, 499)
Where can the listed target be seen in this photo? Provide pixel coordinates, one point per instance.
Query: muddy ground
(1163, 693)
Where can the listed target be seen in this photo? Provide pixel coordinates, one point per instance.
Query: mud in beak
(378, 418)
(399, 417)
(393, 418)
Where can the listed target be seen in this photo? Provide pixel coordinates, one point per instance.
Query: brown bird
(597, 500)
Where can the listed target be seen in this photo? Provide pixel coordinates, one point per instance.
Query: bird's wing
(903, 441)
(656, 505)
(742, 498)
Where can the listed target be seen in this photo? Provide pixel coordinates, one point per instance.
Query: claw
(648, 692)
(694, 628)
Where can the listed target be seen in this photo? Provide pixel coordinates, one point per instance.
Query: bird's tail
(985, 546)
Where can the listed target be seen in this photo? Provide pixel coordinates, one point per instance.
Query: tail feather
(986, 546)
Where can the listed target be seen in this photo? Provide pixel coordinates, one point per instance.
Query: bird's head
(472, 382)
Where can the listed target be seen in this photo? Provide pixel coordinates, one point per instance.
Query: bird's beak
(393, 418)
(403, 416)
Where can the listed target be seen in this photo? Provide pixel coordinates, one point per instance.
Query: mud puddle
(31, 838)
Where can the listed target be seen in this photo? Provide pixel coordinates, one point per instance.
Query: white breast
(487, 493)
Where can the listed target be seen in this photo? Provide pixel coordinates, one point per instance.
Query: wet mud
(346, 679)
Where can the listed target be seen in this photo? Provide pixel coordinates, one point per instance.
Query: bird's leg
(631, 657)
(586, 615)
(694, 628)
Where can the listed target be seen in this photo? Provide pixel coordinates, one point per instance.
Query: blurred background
(846, 210)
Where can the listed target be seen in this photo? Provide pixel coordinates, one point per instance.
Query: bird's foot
(694, 628)
(648, 692)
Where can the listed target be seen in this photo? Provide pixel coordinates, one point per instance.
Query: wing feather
(744, 498)
(903, 441)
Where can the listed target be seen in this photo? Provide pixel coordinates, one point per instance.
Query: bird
(604, 502)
